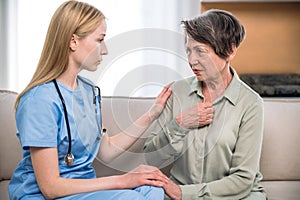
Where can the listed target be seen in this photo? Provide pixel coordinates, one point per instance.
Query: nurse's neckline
(67, 87)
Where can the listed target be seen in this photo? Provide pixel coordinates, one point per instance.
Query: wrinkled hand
(196, 116)
(173, 190)
(160, 102)
(144, 175)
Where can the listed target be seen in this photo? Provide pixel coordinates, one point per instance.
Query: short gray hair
(217, 28)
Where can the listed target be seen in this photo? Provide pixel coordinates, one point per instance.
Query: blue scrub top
(41, 123)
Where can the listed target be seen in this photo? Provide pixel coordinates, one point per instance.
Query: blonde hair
(72, 17)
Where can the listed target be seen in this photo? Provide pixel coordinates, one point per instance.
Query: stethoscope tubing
(69, 158)
(66, 116)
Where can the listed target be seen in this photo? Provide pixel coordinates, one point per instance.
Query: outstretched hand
(144, 175)
(160, 102)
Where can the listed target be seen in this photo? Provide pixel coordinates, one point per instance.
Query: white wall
(144, 38)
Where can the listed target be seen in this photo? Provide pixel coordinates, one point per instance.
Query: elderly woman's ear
(232, 54)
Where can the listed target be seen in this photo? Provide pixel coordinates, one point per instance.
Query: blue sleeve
(37, 122)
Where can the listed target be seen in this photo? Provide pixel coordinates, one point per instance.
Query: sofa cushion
(10, 150)
(280, 159)
(3, 190)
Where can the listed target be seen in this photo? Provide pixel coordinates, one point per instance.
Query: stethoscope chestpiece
(69, 159)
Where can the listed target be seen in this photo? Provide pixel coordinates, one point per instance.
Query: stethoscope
(69, 157)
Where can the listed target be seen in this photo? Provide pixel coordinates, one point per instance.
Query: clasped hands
(149, 175)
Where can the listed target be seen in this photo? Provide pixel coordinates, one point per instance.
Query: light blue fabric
(41, 123)
(139, 193)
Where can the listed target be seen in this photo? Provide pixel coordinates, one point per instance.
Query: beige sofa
(280, 160)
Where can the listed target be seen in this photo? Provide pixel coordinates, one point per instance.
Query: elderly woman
(212, 126)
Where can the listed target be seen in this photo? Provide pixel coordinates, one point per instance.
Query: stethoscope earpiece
(69, 159)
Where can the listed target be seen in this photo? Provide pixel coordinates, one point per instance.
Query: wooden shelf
(272, 43)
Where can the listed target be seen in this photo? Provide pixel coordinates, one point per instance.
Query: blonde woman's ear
(74, 42)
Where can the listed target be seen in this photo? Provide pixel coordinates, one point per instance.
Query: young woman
(58, 128)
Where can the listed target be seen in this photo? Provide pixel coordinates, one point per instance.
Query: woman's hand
(160, 102)
(196, 116)
(173, 190)
(144, 175)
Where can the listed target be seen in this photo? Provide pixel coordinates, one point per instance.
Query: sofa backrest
(117, 114)
(10, 150)
(120, 112)
(280, 158)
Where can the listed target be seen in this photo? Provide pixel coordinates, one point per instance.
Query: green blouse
(217, 161)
